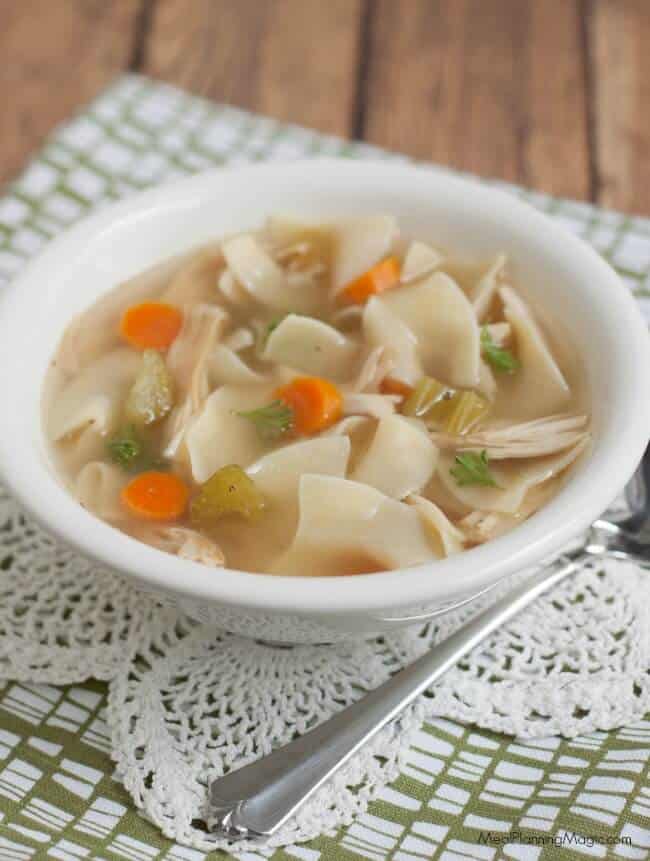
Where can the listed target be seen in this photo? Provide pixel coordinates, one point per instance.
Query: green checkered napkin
(464, 794)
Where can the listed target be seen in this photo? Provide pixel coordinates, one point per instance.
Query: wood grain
(550, 93)
(494, 87)
(293, 59)
(620, 35)
(56, 56)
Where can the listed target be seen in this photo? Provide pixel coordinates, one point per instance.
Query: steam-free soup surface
(315, 399)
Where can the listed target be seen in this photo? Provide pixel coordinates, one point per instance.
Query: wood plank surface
(292, 59)
(495, 87)
(620, 57)
(55, 57)
(550, 93)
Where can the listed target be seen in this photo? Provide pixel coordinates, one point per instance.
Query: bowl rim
(580, 502)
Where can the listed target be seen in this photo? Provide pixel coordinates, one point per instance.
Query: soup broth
(315, 399)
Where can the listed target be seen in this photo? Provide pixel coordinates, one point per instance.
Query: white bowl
(559, 273)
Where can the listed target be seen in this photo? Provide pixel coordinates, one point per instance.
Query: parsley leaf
(268, 330)
(130, 450)
(471, 467)
(502, 360)
(273, 325)
(270, 421)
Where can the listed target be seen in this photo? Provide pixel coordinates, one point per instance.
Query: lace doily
(62, 618)
(195, 704)
(187, 703)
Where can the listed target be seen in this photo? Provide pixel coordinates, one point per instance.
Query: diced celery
(131, 449)
(427, 395)
(228, 491)
(467, 410)
(445, 409)
(152, 394)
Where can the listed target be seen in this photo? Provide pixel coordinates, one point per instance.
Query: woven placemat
(464, 794)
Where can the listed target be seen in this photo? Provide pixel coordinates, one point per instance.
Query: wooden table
(554, 94)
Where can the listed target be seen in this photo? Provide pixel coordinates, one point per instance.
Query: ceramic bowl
(557, 272)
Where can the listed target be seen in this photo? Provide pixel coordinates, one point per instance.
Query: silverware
(256, 800)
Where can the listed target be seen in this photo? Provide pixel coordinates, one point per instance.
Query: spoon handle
(258, 798)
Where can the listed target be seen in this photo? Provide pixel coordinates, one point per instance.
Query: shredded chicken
(184, 543)
(290, 253)
(528, 439)
(300, 262)
(188, 357)
(189, 362)
(297, 278)
(481, 526)
(198, 548)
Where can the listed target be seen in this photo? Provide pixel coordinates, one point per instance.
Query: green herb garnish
(267, 331)
(131, 451)
(271, 421)
(471, 467)
(273, 325)
(502, 360)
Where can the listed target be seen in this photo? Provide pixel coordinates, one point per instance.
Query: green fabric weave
(465, 794)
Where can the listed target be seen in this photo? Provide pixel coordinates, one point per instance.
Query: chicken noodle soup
(315, 399)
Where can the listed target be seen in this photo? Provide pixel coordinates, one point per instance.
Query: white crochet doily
(62, 618)
(196, 703)
(187, 703)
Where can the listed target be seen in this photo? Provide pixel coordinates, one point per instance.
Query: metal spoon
(259, 798)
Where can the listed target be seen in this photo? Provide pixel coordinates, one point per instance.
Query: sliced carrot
(156, 496)
(391, 386)
(151, 325)
(316, 403)
(382, 276)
